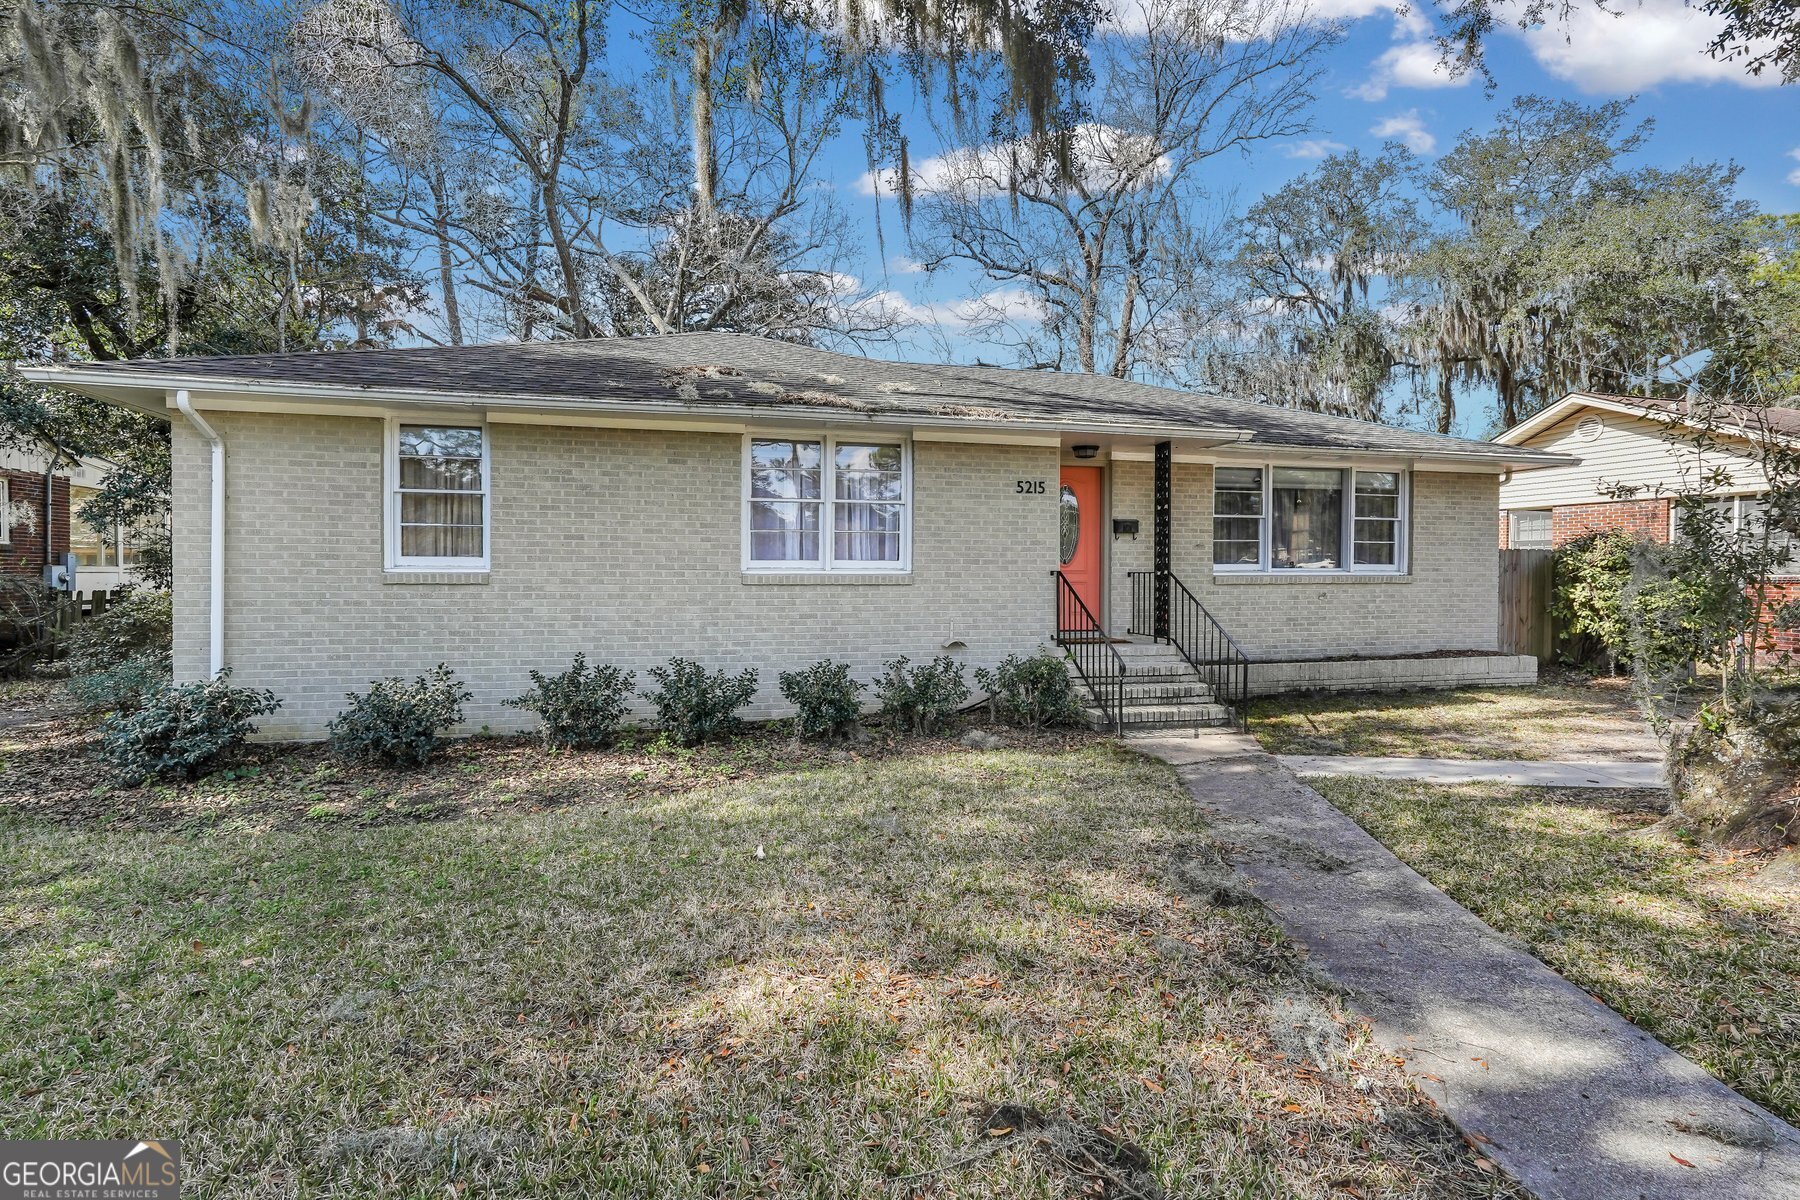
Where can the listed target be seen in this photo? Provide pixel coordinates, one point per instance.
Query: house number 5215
(1031, 487)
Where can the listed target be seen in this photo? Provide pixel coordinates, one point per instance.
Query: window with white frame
(1529, 529)
(5, 514)
(438, 496)
(827, 504)
(1746, 517)
(1280, 518)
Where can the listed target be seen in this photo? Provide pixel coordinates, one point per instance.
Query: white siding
(1632, 450)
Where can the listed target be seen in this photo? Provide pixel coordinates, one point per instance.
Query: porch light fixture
(1085, 451)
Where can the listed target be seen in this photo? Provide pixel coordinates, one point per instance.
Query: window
(1746, 517)
(1528, 529)
(1237, 516)
(825, 504)
(438, 502)
(5, 514)
(91, 546)
(1071, 524)
(1309, 519)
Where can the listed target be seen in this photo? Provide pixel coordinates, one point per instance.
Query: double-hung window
(1329, 519)
(437, 507)
(827, 504)
(5, 515)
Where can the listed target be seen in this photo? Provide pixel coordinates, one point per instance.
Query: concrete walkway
(1570, 1098)
(1568, 773)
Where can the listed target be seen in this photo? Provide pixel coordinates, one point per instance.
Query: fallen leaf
(1001, 1132)
(1684, 1162)
(1150, 1083)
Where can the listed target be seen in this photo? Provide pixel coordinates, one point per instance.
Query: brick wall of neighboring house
(1640, 518)
(1787, 641)
(22, 552)
(1505, 530)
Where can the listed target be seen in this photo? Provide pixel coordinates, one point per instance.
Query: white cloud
(1312, 148)
(1407, 129)
(1417, 64)
(899, 264)
(1251, 19)
(1104, 154)
(1794, 175)
(1648, 43)
(998, 304)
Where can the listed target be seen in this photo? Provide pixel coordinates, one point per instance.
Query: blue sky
(1381, 83)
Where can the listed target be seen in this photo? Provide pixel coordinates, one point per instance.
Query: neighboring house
(752, 503)
(1643, 443)
(103, 557)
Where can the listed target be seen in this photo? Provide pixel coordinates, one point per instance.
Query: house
(28, 538)
(746, 502)
(1646, 444)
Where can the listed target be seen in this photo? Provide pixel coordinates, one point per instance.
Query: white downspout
(215, 607)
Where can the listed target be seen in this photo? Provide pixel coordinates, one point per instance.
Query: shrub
(140, 624)
(580, 709)
(1591, 574)
(1733, 774)
(397, 723)
(123, 686)
(1033, 692)
(178, 731)
(825, 695)
(921, 698)
(693, 705)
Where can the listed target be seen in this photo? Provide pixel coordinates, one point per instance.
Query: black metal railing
(1100, 665)
(1164, 609)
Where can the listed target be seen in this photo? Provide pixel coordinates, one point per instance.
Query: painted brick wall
(23, 551)
(1448, 600)
(621, 543)
(1647, 519)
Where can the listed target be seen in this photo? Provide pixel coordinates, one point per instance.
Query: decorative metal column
(1162, 535)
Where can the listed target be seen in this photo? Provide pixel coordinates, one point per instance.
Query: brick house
(1641, 442)
(23, 519)
(751, 503)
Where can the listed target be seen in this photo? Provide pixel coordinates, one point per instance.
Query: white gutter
(215, 605)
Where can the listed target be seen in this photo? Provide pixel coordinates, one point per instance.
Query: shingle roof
(1773, 418)
(739, 370)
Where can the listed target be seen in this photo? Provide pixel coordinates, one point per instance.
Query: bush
(139, 625)
(1733, 774)
(177, 732)
(826, 697)
(580, 709)
(694, 706)
(923, 698)
(123, 686)
(1033, 692)
(1591, 574)
(397, 723)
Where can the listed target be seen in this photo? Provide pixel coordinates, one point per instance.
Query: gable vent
(1588, 428)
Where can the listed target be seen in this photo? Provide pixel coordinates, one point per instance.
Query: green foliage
(397, 723)
(693, 706)
(179, 731)
(1033, 692)
(921, 699)
(579, 709)
(1591, 573)
(140, 624)
(826, 698)
(123, 686)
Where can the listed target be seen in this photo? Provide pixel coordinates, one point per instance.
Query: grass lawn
(921, 971)
(1572, 717)
(1669, 934)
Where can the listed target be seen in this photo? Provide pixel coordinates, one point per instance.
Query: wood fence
(1527, 578)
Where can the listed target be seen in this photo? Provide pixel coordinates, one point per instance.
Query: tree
(1100, 219)
(1315, 264)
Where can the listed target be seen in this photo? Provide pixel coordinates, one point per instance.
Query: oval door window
(1071, 524)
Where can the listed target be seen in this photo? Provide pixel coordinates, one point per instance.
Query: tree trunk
(1121, 363)
(440, 222)
(706, 162)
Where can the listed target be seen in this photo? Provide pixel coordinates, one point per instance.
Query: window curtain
(869, 488)
(1308, 518)
(441, 500)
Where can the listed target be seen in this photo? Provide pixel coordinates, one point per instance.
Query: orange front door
(1081, 534)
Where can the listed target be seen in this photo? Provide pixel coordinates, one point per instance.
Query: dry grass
(1672, 935)
(936, 973)
(1573, 717)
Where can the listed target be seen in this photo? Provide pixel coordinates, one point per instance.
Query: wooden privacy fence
(1527, 579)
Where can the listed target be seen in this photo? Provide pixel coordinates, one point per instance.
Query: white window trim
(5, 512)
(825, 565)
(1347, 536)
(390, 496)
